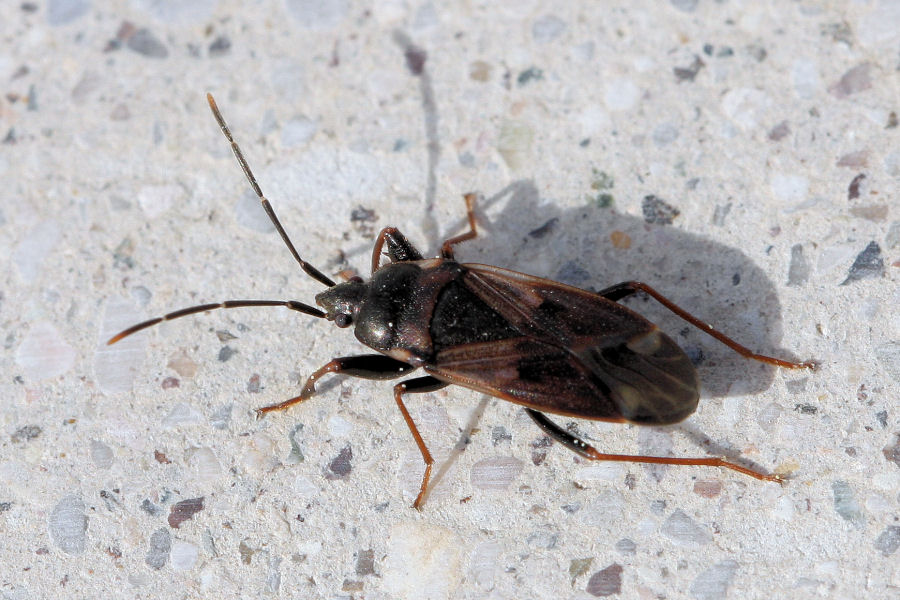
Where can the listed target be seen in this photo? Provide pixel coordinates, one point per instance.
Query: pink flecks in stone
(116, 366)
(44, 353)
(855, 80)
(877, 213)
(32, 250)
(184, 510)
(854, 160)
(855, 187)
(708, 488)
(780, 131)
(341, 465)
(607, 582)
(120, 113)
(495, 473)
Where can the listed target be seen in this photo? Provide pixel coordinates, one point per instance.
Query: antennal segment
(307, 268)
(192, 310)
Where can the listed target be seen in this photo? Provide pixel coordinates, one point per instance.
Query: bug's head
(342, 301)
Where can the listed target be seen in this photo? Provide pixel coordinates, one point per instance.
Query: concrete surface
(741, 157)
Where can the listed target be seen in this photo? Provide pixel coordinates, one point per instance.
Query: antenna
(307, 268)
(291, 304)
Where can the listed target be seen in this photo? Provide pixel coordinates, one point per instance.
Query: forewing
(579, 354)
(527, 371)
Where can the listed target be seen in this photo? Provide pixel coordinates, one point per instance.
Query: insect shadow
(715, 282)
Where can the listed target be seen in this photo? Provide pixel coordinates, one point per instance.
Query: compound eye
(342, 320)
(356, 279)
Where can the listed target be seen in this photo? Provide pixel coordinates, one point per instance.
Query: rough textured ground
(742, 157)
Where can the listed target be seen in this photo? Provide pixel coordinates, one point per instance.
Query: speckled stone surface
(741, 157)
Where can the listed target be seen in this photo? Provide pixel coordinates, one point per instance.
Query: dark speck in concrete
(144, 42)
(340, 466)
(658, 211)
(869, 264)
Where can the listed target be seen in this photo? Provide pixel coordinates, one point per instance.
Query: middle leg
(419, 385)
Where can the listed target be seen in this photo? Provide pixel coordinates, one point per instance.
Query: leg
(420, 385)
(584, 449)
(625, 289)
(399, 248)
(447, 248)
(369, 366)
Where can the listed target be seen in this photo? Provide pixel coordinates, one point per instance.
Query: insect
(544, 345)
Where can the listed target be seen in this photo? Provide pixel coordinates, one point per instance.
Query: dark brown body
(535, 342)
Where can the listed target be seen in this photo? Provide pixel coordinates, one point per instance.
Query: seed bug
(544, 345)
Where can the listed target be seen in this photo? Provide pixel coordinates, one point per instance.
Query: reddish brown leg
(399, 248)
(369, 366)
(447, 248)
(584, 449)
(420, 385)
(624, 289)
